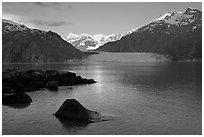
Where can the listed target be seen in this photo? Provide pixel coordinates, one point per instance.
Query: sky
(91, 18)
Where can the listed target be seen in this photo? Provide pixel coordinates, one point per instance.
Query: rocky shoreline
(15, 83)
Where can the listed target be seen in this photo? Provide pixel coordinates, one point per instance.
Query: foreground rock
(17, 81)
(52, 85)
(16, 98)
(72, 109)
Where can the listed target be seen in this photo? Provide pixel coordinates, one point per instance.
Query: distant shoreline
(155, 55)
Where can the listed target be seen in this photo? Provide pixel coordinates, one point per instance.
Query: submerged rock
(72, 109)
(16, 98)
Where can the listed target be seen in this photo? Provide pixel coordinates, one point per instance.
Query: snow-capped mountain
(86, 42)
(179, 18)
(177, 34)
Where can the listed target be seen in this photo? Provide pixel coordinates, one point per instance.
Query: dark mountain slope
(22, 44)
(178, 35)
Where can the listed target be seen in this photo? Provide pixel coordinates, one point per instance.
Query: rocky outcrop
(72, 109)
(26, 45)
(52, 85)
(16, 98)
(17, 81)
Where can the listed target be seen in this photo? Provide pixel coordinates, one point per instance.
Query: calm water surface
(144, 94)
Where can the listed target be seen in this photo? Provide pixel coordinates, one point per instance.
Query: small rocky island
(15, 83)
(72, 109)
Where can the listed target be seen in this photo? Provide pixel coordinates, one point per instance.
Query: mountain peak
(175, 34)
(163, 16)
(191, 11)
(71, 36)
(99, 37)
(91, 42)
(26, 45)
(167, 15)
(85, 34)
(9, 25)
(178, 18)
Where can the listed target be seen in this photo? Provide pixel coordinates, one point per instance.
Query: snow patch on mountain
(72, 36)
(99, 37)
(163, 16)
(178, 18)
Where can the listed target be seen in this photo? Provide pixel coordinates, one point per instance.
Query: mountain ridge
(26, 45)
(177, 35)
(85, 42)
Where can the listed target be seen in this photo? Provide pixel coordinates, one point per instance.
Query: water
(144, 93)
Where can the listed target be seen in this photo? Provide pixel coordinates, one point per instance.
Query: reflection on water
(143, 97)
(73, 124)
(18, 106)
(98, 74)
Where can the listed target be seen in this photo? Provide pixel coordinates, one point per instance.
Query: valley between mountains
(177, 35)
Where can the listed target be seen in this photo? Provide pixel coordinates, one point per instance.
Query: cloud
(46, 14)
(55, 5)
(50, 23)
(35, 23)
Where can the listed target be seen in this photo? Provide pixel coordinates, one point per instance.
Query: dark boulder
(78, 80)
(64, 78)
(52, 85)
(6, 89)
(65, 81)
(35, 75)
(89, 81)
(15, 98)
(50, 73)
(72, 109)
(67, 74)
(23, 81)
